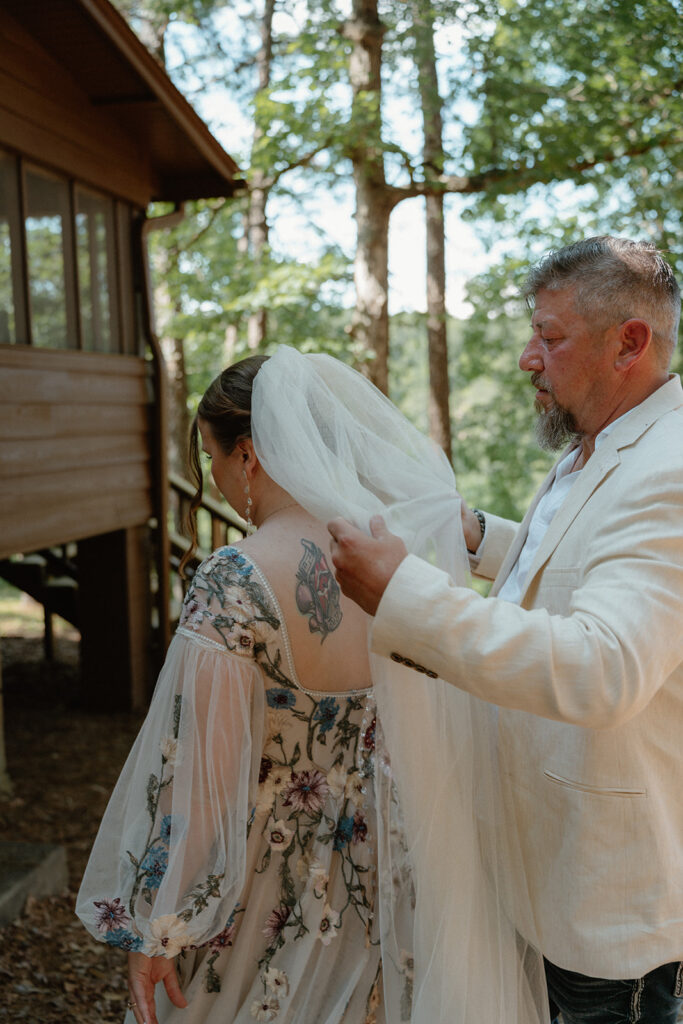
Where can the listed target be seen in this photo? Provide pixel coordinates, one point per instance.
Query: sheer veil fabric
(450, 953)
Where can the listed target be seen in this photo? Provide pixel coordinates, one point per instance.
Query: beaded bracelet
(482, 523)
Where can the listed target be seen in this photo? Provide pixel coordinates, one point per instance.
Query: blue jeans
(654, 999)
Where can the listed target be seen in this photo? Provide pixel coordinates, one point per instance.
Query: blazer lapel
(602, 462)
(590, 477)
(521, 535)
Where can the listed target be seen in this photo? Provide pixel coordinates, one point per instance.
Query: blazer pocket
(556, 589)
(568, 576)
(583, 787)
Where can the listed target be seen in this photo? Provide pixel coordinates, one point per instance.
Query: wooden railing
(216, 525)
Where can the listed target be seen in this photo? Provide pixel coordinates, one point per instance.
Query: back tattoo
(317, 591)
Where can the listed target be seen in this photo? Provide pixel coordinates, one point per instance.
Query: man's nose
(531, 359)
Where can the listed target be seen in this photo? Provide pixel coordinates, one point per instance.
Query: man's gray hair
(616, 279)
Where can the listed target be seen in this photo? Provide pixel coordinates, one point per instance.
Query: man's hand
(471, 527)
(143, 974)
(364, 565)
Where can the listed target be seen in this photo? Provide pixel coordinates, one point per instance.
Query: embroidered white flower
(265, 798)
(329, 925)
(240, 639)
(278, 722)
(169, 749)
(355, 789)
(278, 835)
(266, 1008)
(336, 780)
(280, 776)
(276, 981)
(407, 964)
(320, 878)
(192, 614)
(169, 936)
(240, 606)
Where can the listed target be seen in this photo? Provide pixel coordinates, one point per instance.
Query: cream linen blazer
(589, 672)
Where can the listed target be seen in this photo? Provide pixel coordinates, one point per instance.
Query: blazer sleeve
(499, 535)
(597, 645)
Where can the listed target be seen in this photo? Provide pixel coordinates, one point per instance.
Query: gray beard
(555, 428)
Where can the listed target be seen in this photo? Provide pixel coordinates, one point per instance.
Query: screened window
(66, 273)
(96, 272)
(12, 320)
(48, 245)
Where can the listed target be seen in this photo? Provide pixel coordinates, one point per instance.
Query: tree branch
(304, 161)
(516, 177)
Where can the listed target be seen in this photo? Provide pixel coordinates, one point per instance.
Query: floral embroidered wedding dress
(242, 834)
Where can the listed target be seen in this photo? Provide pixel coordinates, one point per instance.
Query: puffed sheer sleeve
(168, 863)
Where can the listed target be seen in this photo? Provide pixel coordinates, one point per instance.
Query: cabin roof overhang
(121, 78)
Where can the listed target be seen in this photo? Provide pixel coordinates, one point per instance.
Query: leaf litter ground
(63, 763)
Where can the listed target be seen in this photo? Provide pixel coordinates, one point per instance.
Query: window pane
(47, 212)
(10, 263)
(96, 272)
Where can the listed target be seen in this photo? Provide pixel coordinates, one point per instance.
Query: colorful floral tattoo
(317, 591)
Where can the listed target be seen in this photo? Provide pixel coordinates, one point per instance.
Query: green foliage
(585, 91)
(215, 286)
(497, 461)
(566, 114)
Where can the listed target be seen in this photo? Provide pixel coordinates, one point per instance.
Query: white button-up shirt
(549, 504)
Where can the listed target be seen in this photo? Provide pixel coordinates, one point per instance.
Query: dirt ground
(63, 764)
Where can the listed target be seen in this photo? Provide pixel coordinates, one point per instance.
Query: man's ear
(635, 337)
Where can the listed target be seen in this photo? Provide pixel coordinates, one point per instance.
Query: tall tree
(433, 158)
(374, 199)
(259, 186)
(547, 91)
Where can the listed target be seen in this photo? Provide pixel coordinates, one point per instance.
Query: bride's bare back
(328, 633)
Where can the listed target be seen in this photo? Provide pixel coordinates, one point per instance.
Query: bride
(304, 832)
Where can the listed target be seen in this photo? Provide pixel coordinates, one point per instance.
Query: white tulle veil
(451, 955)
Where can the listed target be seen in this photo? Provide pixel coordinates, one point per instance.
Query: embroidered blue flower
(124, 940)
(165, 832)
(326, 713)
(154, 865)
(280, 698)
(239, 562)
(343, 833)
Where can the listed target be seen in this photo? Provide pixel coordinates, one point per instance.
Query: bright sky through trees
(297, 227)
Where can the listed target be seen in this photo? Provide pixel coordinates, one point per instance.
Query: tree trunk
(257, 325)
(179, 417)
(165, 259)
(425, 57)
(374, 200)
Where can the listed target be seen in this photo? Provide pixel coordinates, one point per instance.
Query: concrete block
(29, 869)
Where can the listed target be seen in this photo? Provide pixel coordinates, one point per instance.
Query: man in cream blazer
(580, 642)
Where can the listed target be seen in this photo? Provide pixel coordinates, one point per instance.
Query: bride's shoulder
(228, 589)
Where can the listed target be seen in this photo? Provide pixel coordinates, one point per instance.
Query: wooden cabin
(91, 131)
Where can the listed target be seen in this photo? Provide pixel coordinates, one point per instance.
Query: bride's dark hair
(226, 408)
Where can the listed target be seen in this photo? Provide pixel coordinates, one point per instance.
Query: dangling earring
(249, 501)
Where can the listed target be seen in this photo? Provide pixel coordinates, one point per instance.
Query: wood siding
(74, 446)
(44, 115)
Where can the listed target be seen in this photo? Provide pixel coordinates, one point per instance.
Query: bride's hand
(364, 565)
(143, 974)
